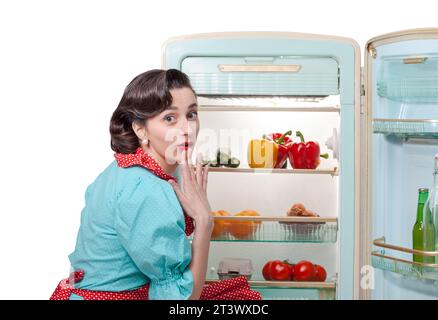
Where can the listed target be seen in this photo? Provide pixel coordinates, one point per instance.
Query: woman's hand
(193, 198)
(193, 192)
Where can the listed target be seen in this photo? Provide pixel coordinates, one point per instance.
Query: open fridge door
(401, 125)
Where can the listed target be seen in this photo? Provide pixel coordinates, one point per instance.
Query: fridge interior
(251, 83)
(404, 79)
(232, 122)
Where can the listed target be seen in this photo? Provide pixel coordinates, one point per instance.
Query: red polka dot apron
(230, 289)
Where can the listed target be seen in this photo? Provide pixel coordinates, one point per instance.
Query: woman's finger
(185, 174)
(199, 169)
(205, 177)
(191, 170)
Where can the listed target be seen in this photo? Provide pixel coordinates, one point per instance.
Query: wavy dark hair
(147, 95)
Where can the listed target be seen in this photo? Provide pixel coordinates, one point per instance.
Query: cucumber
(224, 150)
(214, 163)
(234, 162)
(223, 158)
(223, 155)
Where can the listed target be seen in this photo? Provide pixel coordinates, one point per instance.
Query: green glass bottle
(432, 202)
(423, 233)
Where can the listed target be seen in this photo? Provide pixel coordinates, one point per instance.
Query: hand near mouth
(193, 191)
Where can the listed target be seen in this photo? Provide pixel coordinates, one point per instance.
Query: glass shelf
(411, 269)
(333, 171)
(275, 229)
(407, 128)
(293, 290)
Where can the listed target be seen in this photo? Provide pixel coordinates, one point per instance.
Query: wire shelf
(404, 266)
(275, 229)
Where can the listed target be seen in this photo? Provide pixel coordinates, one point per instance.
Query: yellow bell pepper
(262, 153)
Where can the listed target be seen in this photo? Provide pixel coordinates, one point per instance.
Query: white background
(63, 68)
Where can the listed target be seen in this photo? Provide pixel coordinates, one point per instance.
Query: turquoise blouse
(132, 233)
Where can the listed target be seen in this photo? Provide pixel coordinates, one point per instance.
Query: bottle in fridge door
(285, 107)
(432, 202)
(423, 232)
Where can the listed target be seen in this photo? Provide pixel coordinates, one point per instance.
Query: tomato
(276, 270)
(291, 267)
(266, 271)
(320, 273)
(291, 272)
(304, 271)
(280, 271)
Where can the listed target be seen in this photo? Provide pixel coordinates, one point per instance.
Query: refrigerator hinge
(362, 92)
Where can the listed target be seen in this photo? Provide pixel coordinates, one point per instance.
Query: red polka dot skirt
(66, 287)
(230, 289)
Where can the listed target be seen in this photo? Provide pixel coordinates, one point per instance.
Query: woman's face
(175, 129)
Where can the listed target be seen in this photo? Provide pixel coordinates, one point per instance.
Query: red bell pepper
(305, 155)
(283, 141)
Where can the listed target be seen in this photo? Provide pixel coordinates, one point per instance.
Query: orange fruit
(220, 226)
(245, 228)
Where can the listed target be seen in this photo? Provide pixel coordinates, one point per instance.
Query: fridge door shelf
(293, 290)
(332, 171)
(407, 128)
(409, 78)
(275, 229)
(406, 267)
(270, 103)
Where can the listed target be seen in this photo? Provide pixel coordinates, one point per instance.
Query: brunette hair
(147, 95)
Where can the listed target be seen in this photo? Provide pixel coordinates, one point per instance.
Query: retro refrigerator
(379, 126)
